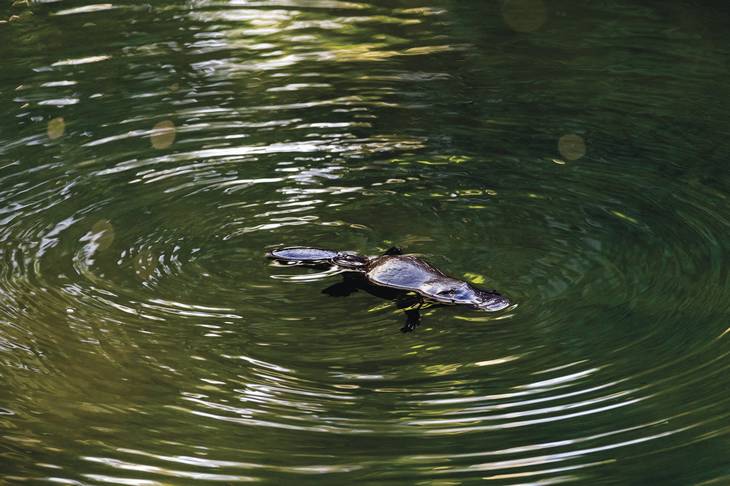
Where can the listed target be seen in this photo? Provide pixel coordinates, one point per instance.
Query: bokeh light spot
(572, 146)
(56, 128)
(524, 15)
(163, 134)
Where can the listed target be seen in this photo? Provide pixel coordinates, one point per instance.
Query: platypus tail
(302, 255)
(318, 257)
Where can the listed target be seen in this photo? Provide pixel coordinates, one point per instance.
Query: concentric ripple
(571, 157)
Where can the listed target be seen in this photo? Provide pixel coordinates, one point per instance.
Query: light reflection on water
(570, 156)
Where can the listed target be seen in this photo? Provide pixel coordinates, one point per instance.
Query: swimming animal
(393, 275)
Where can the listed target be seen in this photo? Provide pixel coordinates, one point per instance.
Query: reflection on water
(571, 156)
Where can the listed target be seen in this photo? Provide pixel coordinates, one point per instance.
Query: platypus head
(490, 301)
(350, 261)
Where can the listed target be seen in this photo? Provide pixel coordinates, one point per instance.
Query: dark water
(572, 156)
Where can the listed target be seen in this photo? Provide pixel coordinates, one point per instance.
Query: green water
(572, 156)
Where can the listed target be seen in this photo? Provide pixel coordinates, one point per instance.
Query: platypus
(393, 275)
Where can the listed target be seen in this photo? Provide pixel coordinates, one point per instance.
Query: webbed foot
(413, 319)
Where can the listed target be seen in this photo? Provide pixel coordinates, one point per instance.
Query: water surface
(573, 157)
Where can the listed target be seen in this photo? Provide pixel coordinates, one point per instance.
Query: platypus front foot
(413, 319)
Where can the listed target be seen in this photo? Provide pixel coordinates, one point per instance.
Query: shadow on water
(351, 284)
